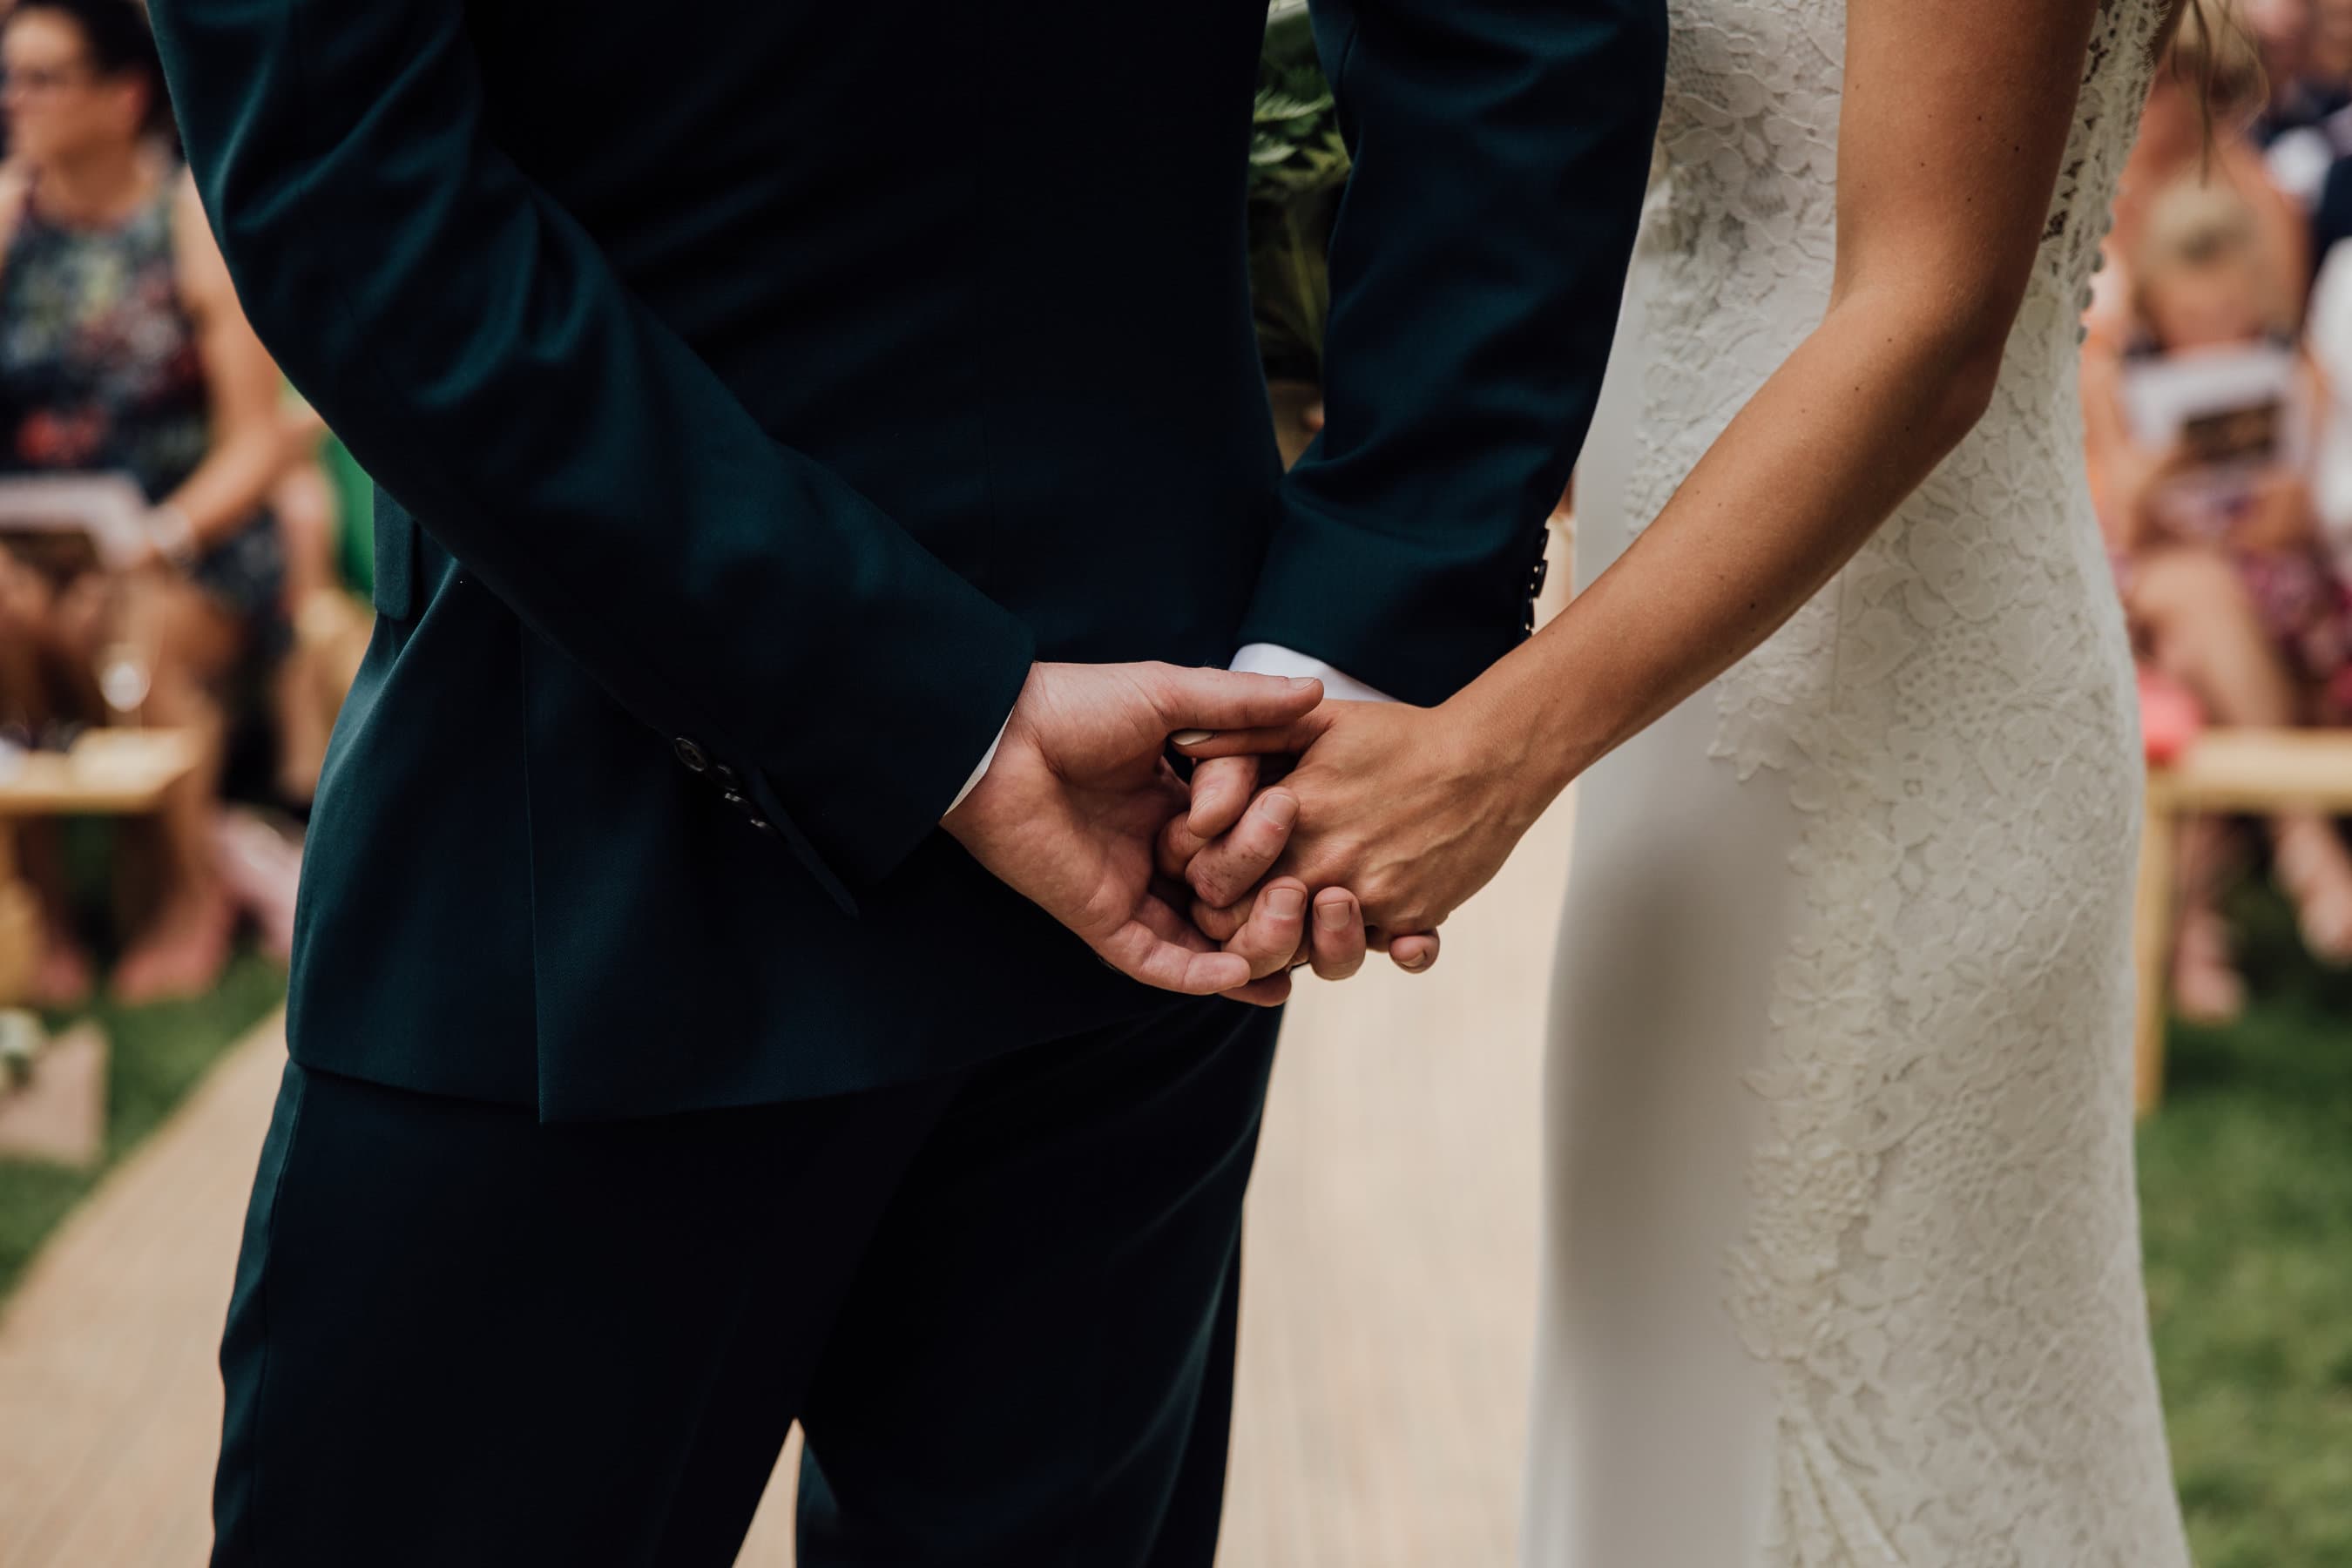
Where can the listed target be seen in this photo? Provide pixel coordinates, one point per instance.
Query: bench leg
(2152, 942)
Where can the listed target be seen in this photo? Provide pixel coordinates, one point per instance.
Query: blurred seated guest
(2207, 89)
(2199, 432)
(2304, 127)
(2331, 214)
(2297, 98)
(2327, 49)
(123, 349)
(2302, 120)
(2330, 54)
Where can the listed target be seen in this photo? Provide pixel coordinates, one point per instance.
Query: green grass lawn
(157, 1055)
(2246, 1194)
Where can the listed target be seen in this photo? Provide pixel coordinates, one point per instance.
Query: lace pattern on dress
(1942, 1259)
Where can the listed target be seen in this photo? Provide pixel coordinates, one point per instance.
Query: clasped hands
(1381, 818)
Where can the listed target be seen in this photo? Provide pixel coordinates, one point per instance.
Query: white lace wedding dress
(1843, 1259)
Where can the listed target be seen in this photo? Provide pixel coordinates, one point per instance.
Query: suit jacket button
(1536, 578)
(724, 774)
(737, 801)
(692, 755)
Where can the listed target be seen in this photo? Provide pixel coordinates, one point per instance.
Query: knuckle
(1174, 857)
(1261, 843)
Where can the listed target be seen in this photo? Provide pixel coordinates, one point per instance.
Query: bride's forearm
(1880, 392)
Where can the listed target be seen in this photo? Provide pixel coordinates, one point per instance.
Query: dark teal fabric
(1001, 1303)
(355, 515)
(785, 378)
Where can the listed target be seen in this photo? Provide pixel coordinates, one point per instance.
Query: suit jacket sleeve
(1477, 266)
(469, 341)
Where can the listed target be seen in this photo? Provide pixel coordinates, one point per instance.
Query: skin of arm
(249, 447)
(1955, 118)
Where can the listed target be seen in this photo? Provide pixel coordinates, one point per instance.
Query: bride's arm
(1956, 116)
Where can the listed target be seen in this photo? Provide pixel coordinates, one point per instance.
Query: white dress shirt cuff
(1272, 658)
(981, 771)
(1258, 658)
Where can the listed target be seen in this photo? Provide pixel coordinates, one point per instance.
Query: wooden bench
(109, 773)
(2253, 771)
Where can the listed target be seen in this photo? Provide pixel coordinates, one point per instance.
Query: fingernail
(1286, 903)
(1417, 963)
(1332, 914)
(1192, 737)
(1282, 810)
(1302, 682)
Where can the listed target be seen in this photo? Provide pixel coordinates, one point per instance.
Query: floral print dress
(101, 372)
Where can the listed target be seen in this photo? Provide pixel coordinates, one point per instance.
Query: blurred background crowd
(2217, 386)
(2216, 380)
(123, 354)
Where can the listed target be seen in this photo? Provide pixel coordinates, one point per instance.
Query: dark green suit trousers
(1001, 1302)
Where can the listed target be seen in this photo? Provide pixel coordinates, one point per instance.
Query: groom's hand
(1231, 839)
(1235, 836)
(1079, 790)
(1411, 809)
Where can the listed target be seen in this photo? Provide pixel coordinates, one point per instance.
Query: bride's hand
(1411, 809)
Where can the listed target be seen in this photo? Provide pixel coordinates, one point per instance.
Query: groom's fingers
(1271, 992)
(1289, 735)
(1221, 788)
(1160, 948)
(1275, 930)
(1137, 953)
(1224, 873)
(1220, 922)
(1189, 701)
(1220, 794)
(1338, 942)
(1172, 852)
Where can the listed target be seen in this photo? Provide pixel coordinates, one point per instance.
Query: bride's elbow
(1962, 343)
(1961, 394)
(1936, 346)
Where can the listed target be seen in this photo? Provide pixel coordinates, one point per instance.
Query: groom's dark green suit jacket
(756, 387)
